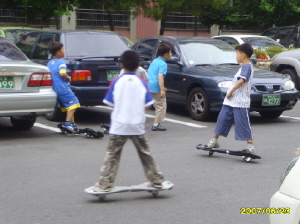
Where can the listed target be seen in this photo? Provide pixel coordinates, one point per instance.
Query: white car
(254, 40)
(25, 87)
(285, 203)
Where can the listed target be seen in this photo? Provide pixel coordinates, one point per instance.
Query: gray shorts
(240, 118)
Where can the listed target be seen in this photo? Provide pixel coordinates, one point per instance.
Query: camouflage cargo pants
(110, 166)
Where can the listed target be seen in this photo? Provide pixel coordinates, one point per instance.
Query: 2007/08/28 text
(255, 211)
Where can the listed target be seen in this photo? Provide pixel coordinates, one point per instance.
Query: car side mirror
(253, 60)
(174, 60)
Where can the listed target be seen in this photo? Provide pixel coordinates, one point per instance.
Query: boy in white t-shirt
(236, 105)
(129, 96)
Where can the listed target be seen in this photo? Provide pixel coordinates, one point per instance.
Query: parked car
(91, 59)
(25, 87)
(201, 69)
(255, 41)
(14, 34)
(285, 203)
(288, 36)
(288, 63)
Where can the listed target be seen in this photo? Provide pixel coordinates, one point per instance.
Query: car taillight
(40, 79)
(81, 75)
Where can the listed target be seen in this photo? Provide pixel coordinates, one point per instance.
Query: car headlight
(288, 168)
(289, 85)
(225, 84)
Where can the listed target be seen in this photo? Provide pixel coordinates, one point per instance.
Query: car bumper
(288, 207)
(18, 104)
(288, 101)
(89, 96)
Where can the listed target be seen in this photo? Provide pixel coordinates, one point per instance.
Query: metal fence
(183, 22)
(92, 18)
(17, 17)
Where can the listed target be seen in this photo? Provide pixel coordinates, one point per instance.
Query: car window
(15, 35)
(146, 48)
(228, 40)
(272, 33)
(286, 34)
(27, 42)
(9, 52)
(261, 42)
(41, 49)
(94, 45)
(198, 53)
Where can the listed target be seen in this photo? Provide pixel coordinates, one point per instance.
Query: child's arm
(162, 85)
(237, 85)
(64, 74)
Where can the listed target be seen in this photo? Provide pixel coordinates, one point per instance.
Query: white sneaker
(212, 145)
(249, 150)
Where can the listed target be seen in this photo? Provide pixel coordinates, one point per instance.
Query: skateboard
(87, 132)
(105, 128)
(166, 185)
(247, 157)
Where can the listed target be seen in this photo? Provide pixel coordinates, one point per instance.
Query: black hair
(245, 48)
(163, 49)
(54, 47)
(130, 60)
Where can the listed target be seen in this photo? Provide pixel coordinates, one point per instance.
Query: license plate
(271, 100)
(7, 83)
(111, 74)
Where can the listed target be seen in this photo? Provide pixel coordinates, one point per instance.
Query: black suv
(91, 58)
(288, 36)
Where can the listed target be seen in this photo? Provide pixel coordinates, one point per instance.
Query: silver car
(25, 87)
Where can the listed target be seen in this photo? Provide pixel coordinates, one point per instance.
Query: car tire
(56, 115)
(198, 106)
(292, 73)
(23, 123)
(270, 114)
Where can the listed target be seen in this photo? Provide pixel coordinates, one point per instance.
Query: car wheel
(23, 123)
(270, 114)
(56, 115)
(293, 75)
(198, 106)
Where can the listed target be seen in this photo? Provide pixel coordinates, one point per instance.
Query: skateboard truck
(247, 157)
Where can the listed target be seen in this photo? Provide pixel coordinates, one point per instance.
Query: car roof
(76, 31)
(17, 28)
(241, 36)
(180, 38)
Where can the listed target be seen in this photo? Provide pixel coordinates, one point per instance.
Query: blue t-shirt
(158, 65)
(59, 84)
(129, 96)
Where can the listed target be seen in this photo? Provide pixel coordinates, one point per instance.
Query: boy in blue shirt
(60, 79)
(156, 74)
(129, 96)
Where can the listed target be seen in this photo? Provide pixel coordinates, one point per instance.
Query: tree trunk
(162, 25)
(57, 24)
(110, 21)
(196, 26)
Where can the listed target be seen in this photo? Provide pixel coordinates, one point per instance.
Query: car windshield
(260, 42)
(199, 53)
(15, 35)
(9, 52)
(94, 45)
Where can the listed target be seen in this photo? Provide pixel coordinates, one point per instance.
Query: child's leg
(160, 106)
(110, 165)
(150, 167)
(70, 115)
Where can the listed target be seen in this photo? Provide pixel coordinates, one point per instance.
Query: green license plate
(271, 100)
(111, 74)
(7, 83)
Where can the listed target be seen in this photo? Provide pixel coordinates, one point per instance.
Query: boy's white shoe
(212, 145)
(249, 150)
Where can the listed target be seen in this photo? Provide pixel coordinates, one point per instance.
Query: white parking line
(295, 118)
(46, 127)
(167, 119)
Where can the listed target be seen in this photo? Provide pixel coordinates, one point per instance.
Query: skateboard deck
(166, 185)
(246, 156)
(87, 132)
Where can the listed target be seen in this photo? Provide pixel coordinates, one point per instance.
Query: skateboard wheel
(154, 194)
(247, 159)
(210, 153)
(102, 197)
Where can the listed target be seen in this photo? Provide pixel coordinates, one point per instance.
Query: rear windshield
(15, 35)
(9, 52)
(260, 42)
(94, 45)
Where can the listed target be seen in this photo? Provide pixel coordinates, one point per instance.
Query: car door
(26, 44)
(40, 53)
